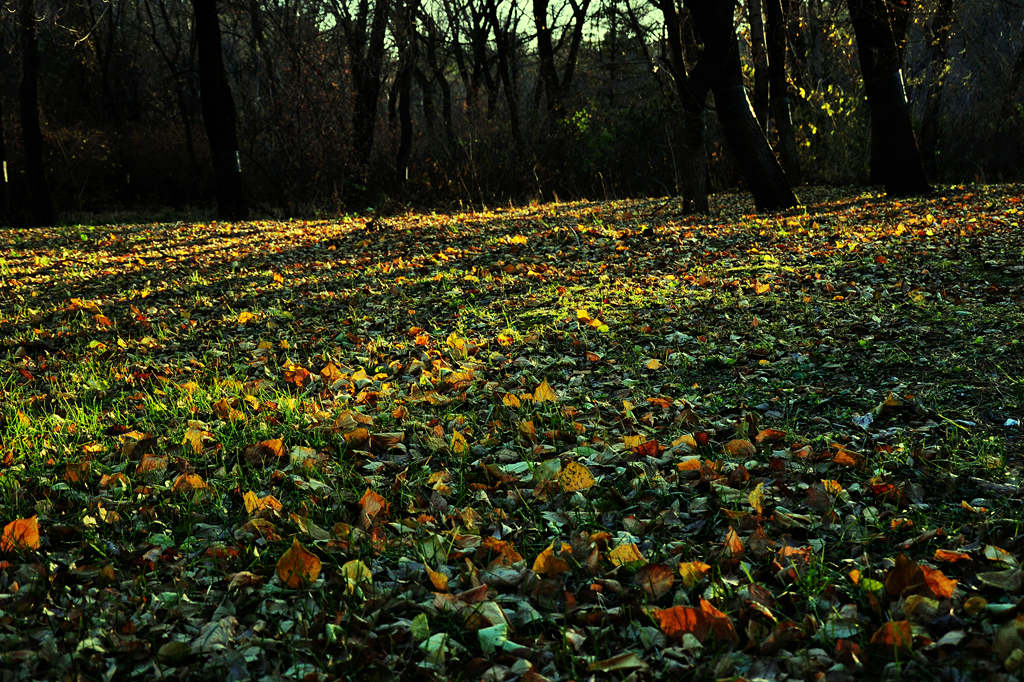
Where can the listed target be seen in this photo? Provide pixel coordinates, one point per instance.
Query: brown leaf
(189, 482)
(20, 534)
(905, 576)
(298, 567)
(769, 436)
(655, 579)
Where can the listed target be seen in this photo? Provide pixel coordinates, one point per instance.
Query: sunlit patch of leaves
(547, 441)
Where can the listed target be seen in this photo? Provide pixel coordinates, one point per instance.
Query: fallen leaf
(544, 393)
(625, 554)
(298, 567)
(756, 498)
(20, 534)
(356, 574)
(575, 477)
(549, 564)
(626, 661)
(679, 620)
(740, 447)
(655, 579)
(894, 635)
(692, 571)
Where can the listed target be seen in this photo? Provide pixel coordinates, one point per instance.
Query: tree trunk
(692, 93)
(746, 139)
(779, 88)
(366, 54)
(895, 158)
(938, 35)
(759, 56)
(218, 113)
(5, 187)
(40, 204)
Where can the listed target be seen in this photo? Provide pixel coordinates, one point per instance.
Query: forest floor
(544, 442)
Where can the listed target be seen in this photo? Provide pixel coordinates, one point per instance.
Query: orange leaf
(655, 579)
(437, 579)
(938, 583)
(769, 436)
(845, 456)
(298, 567)
(719, 623)
(896, 634)
(371, 505)
(733, 544)
(740, 447)
(20, 534)
(950, 556)
(549, 564)
(905, 576)
(458, 445)
(678, 620)
(760, 288)
(511, 400)
(189, 482)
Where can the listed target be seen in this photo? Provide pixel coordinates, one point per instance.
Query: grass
(380, 380)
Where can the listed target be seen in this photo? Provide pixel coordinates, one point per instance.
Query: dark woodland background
(282, 107)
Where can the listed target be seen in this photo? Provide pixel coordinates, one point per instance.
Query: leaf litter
(525, 443)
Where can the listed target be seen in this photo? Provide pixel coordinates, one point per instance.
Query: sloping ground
(544, 442)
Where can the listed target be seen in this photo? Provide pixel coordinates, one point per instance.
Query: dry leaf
(511, 400)
(549, 564)
(189, 482)
(692, 571)
(740, 447)
(20, 534)
(625, 554)
(544, 393)
(298, 567)
(756, 498)
(437, 579)
(575, 477)
(896, 634)
(679, 620)
(458, 444)
(655, 579)
(356, 574)
(371, 505)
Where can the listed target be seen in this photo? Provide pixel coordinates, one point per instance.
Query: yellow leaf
(654, 363)
(194, 437)
(692, 571)
(437, 579)
(20, 534)
(575, 477)
(625, 554)
(633, 442)
(458, 445)
(245, 316)
(544, 392)
(356, 573)
(832, 487)
(756, 498)
(686, 441)
(549, 564)
(298, 567)
(760, 288)
(254, 503)
(511, 400)
(582, 315)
